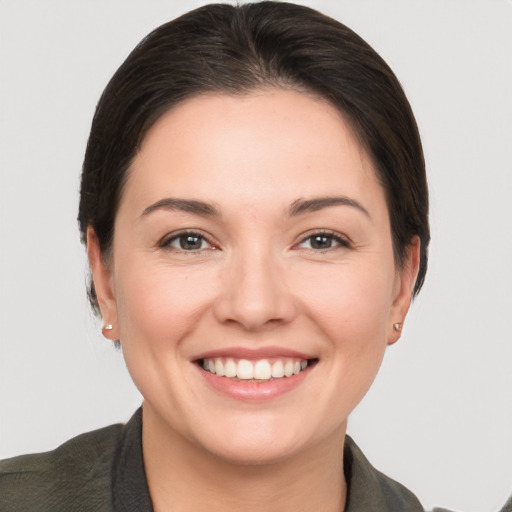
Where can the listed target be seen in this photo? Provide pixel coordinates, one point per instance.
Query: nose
(253, 292)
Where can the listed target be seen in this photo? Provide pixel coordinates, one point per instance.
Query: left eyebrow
(184, 205)
(301, 206)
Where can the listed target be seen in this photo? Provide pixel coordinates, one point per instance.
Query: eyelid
(164, 242)
(342, 240)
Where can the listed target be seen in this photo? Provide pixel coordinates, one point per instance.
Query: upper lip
(254, 353)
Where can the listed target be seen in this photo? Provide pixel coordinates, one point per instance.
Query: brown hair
(237, 49)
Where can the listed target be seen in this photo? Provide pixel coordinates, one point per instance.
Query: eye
(188, 242)
(323, 241)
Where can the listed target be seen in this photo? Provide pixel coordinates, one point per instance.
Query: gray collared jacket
(103, 471)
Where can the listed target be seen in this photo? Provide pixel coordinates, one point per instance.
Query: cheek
(159, 304)
(350, 299)
(351, 306)
(159, 308)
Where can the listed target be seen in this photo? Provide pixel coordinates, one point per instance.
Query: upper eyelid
(165, 240)
(341, 241)
(325, 232)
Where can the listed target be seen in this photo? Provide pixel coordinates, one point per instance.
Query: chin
(256, 440)
(255, 452)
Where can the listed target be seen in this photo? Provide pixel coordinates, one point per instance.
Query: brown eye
(323, 241)
(188, 242)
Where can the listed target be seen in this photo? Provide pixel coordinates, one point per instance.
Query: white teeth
(230, 368)
(262, 369)
(219, 368)
(278, 369)
(288, 368)
(245, 370)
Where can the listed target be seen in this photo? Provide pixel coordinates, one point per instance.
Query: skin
(255, 281)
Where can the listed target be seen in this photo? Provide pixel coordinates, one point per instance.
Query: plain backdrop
(439, 416)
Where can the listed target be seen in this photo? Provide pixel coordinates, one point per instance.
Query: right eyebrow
(319, 203)
(184, 205)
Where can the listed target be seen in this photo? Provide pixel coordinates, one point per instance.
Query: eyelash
(167, 241)
(331, 236)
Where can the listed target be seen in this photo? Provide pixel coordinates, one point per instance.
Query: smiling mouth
(261, 370)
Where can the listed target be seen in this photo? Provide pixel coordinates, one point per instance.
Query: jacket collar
(369, 489)
(130, 491)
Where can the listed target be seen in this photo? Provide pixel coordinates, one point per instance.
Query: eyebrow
(301, 206)
(184, 205)
(298, 207)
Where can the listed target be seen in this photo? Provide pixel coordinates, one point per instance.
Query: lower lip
(251, 391)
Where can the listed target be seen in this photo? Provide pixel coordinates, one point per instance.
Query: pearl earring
(397, 327)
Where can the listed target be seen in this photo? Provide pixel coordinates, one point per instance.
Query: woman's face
(253, 240)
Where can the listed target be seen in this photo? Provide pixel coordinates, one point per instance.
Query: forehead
(272, 144)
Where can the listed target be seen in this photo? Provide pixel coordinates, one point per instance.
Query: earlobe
(406, 279)
(102, 279)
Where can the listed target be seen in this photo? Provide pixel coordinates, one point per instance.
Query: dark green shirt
(103, 471)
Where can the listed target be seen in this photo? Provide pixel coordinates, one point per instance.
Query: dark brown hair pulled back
(234, 50)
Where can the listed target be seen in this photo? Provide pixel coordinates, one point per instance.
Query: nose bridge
(254, 291)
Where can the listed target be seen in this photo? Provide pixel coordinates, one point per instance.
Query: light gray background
(439, 417)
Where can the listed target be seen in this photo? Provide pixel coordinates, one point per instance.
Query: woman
(254, 207)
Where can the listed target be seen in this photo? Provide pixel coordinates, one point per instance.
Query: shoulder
(369, 489)
(58, 480)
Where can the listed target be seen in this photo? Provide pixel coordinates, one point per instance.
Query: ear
(103, 285)
(402, 293)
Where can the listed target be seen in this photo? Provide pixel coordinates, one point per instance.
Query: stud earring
(107, 327)
(397, 327)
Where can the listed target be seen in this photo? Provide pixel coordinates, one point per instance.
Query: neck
(182, 477)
